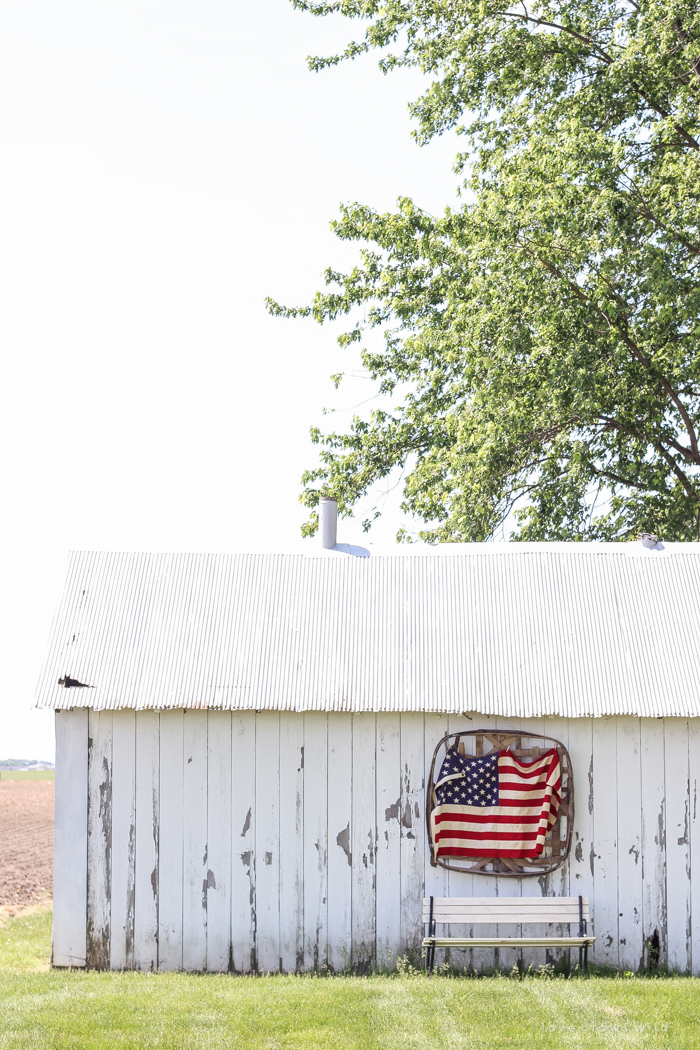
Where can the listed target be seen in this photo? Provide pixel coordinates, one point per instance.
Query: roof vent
(647, 540)
(328, 521)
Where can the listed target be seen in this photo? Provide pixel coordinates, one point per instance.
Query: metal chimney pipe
(328, 521)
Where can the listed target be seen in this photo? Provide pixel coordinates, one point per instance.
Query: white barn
(242, 786)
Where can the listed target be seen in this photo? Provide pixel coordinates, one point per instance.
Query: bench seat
(507, 942)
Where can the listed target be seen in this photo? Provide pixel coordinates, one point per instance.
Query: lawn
(27, 774)
(43, 1009)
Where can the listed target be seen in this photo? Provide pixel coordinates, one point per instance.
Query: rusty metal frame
(556, 848)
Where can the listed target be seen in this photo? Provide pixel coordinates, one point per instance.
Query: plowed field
(26, 843)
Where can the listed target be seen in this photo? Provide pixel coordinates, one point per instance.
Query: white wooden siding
(70, 839)
(274, 841)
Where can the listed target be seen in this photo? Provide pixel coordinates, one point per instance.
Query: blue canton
(475, 783)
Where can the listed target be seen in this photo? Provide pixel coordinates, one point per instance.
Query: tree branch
(631, 345)
(684, 480)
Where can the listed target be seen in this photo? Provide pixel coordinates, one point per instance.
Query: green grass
(40, 1008)
(27, 774)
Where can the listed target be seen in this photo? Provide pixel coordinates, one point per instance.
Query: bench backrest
(470, 910)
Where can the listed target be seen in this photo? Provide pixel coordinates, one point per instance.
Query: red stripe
(536, 819)
(499, 836)
(455, 851)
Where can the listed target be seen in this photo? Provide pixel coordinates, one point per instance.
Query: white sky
(166, 165)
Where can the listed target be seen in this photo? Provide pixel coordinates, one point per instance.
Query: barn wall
(280, 841)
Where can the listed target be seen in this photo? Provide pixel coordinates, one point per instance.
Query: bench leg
(431, 955)
(585, 959)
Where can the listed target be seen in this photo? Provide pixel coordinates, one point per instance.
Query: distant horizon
(25, 763)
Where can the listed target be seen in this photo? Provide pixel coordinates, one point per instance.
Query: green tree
(540, 340)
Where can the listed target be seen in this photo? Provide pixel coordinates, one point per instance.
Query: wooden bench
(474, 911)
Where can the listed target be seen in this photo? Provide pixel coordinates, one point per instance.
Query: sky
(167, 165)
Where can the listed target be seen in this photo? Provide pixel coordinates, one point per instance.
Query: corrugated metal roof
(530, 630)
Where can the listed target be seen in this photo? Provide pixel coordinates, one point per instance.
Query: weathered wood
(123, 839)
(292, 842)
(388, 856)
(171, 840)
(629, 823)
(364, 841)
(694, 784)
(99, 871)
(147, 840)
(340, 856)
(531, 889)
(581, 861)
(435, 727)
(243, 859)
(267, 839)
(677, 845)
(653, 841)
(342, 873)
(509, 891)
(412, 831)
(217, 887)
(69, 937)
(315, 839)
(605, 906)
(460, 883)
(557, 882)
(195, 856)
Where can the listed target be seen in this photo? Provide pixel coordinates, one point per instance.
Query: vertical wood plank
(629, 823)
(582, 857)
(557, 882)
(315, 839)
(605, 904)
(581, 862)
(364, 841)
(653, 837)
(217, 890)
(243, 860)
(195, 859)
(508, 958)
(412, 834)
(267, 839)
(171, 840)
(123, 839)
(435, 727)
(292, 841)
(99, 888)
(147, 840)
(434, 878)
(677, 844)
(340, 857)
(388, 856)
(694, 777)
(459, 883)
(542, 885)
(69, 936)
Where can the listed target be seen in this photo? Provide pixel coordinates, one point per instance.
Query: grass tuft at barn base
(46, 1009)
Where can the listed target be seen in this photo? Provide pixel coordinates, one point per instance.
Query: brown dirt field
(26, 844)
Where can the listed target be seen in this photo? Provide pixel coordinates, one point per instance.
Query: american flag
(495, 806)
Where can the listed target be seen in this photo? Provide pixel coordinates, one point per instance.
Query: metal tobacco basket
(558, 840)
